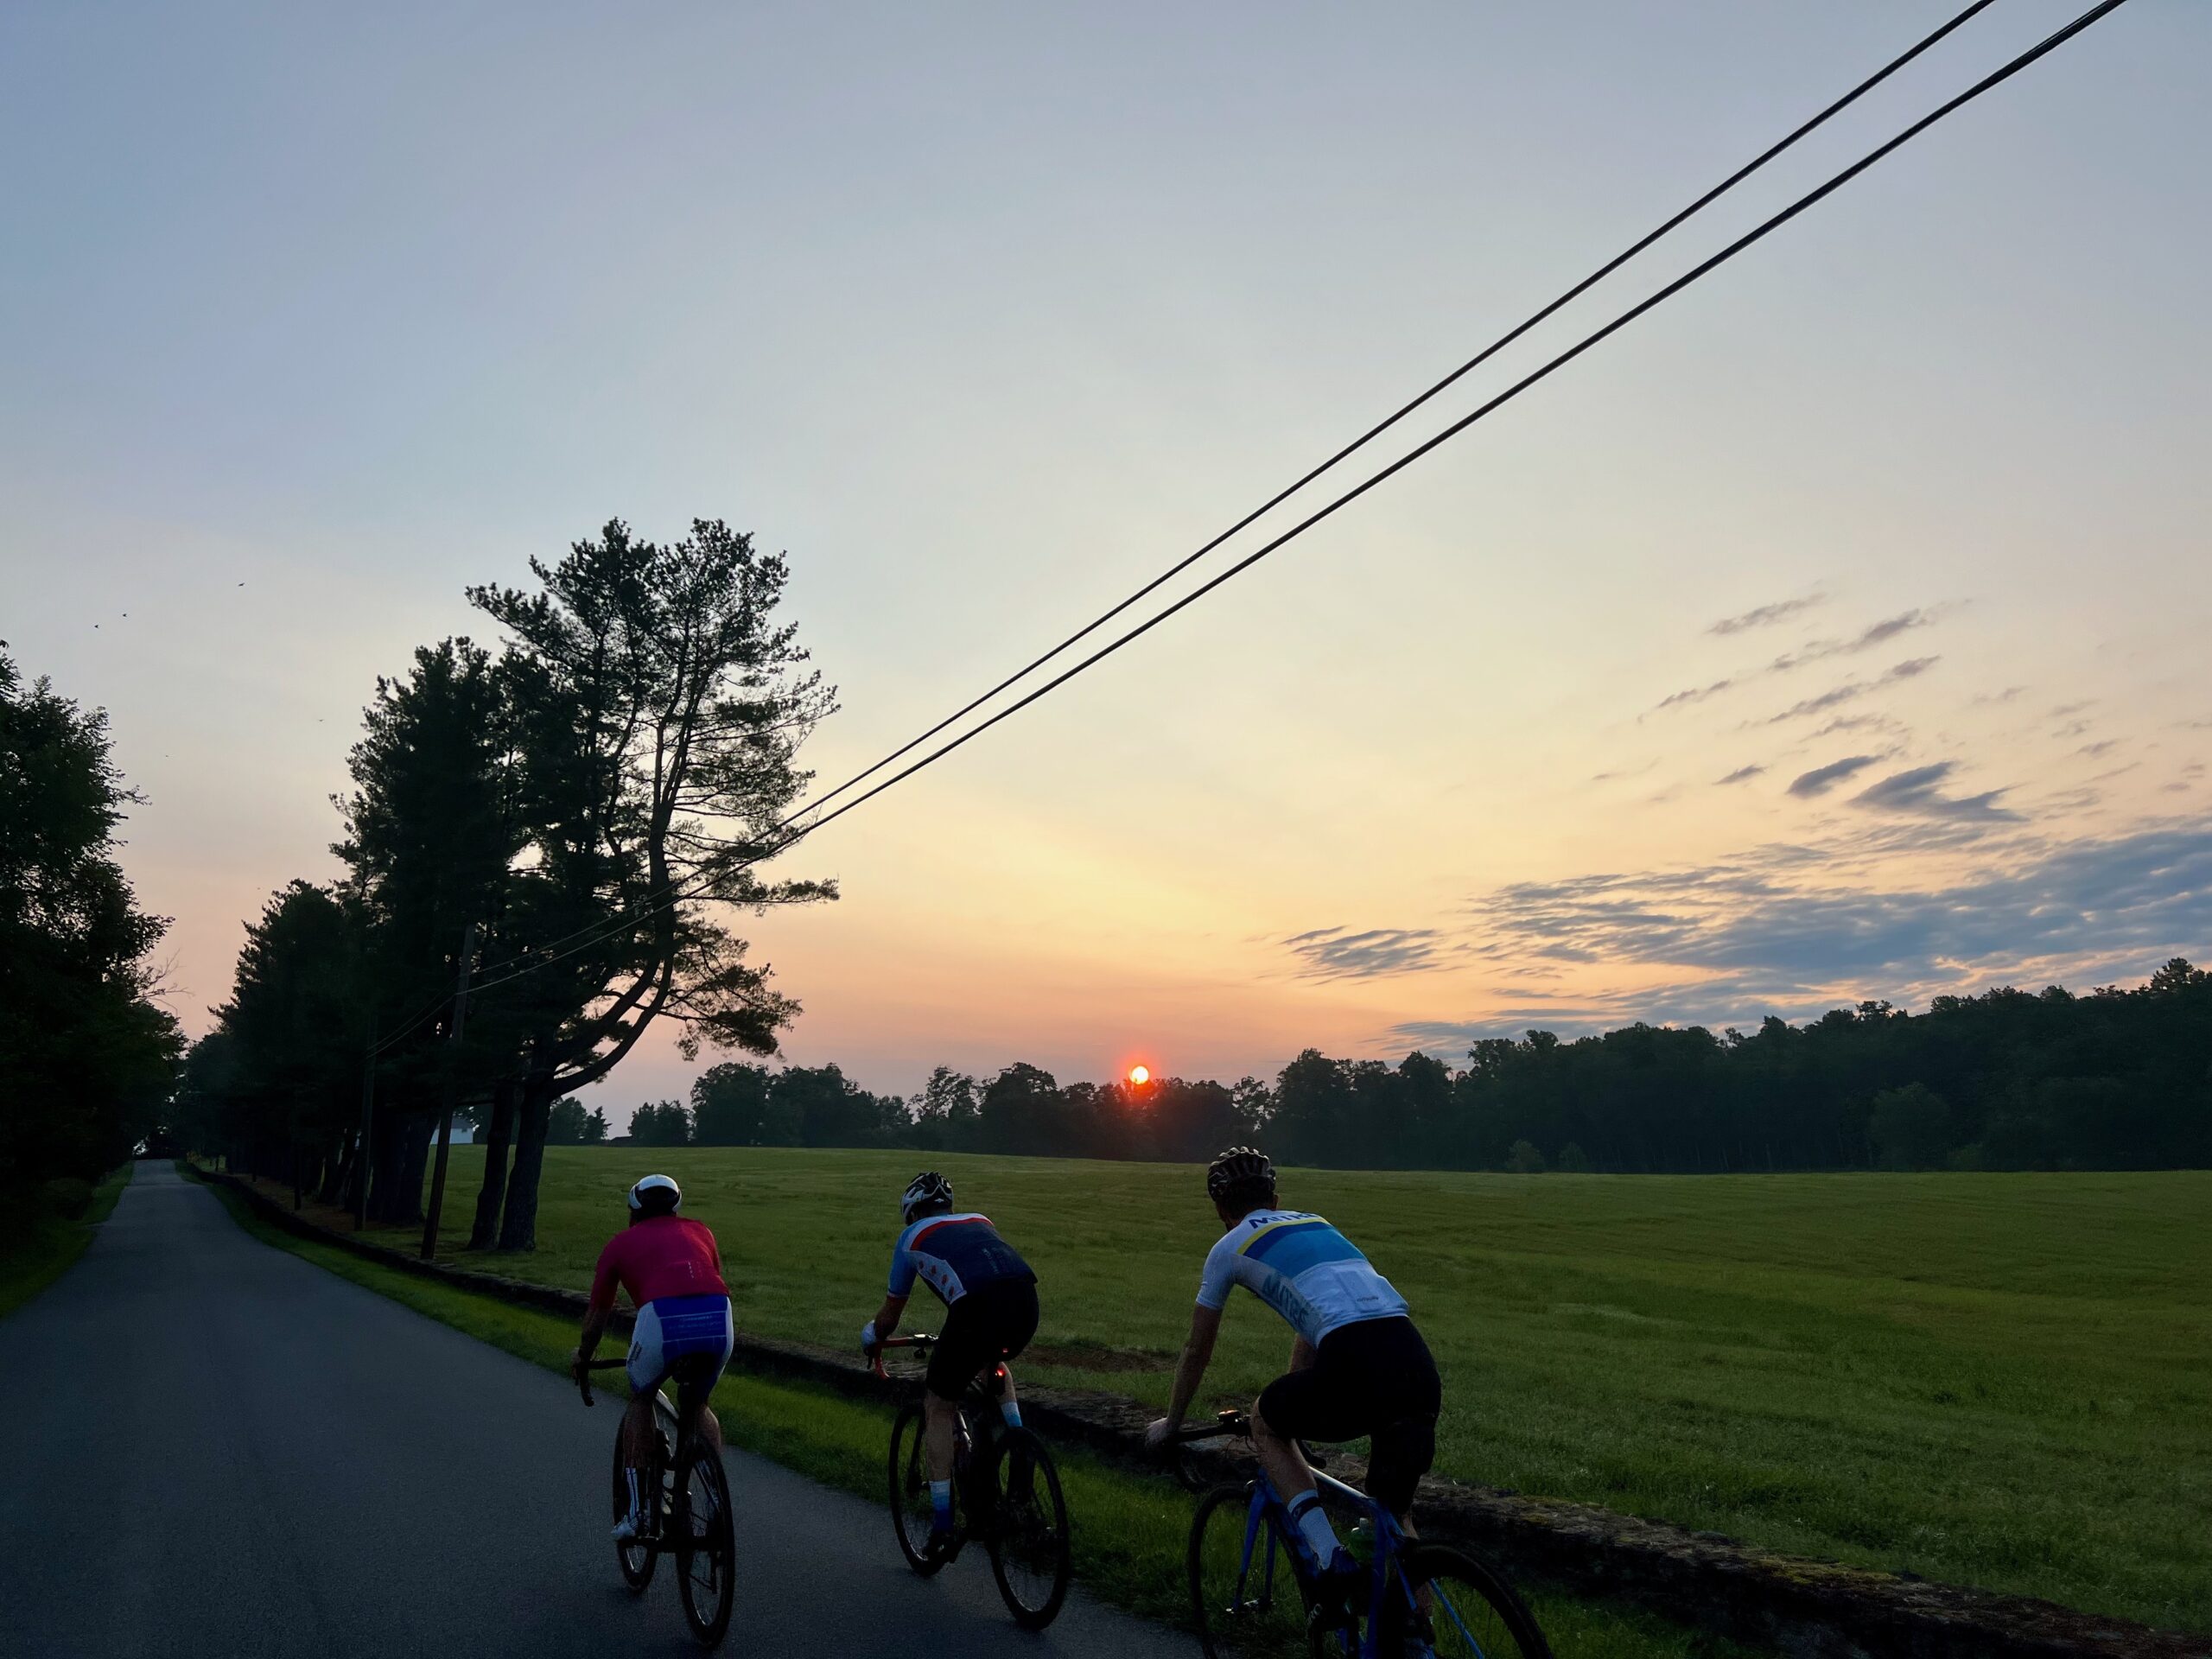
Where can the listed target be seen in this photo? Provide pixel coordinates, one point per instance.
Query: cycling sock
(941, 1505)
(636, 1507)
(1313, 1525)
(1011, 1410)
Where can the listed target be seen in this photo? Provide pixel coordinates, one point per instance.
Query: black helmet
(927, 1190)
(1239, 1174)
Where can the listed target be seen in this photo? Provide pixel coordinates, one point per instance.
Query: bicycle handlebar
(1225, 1422)
(918, 1339)
(583, 1382)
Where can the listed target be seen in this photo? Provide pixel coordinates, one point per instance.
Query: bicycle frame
(1268, 1511)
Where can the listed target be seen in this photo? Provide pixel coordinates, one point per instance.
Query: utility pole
(452, 1088)
(368, 1116)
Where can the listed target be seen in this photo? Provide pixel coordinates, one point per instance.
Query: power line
(673, 894)
(1449, 381)
(1996, 78)
(608, 927)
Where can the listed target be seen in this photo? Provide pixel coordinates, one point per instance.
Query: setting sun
(1140, 1075)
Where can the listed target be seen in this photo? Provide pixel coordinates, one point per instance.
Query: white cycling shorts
(680, 1336)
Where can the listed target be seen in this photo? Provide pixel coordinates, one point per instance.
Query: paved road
(211, 1447)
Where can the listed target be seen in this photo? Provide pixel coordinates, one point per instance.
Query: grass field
(39, 1250)
(1129, 1532)
(1999, 1380)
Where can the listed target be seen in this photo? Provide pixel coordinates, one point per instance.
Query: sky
(1835, 631)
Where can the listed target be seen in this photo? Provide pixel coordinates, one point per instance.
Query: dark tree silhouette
(660, 707)
(87, 1057)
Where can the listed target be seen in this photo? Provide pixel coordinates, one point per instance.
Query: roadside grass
(1129, 1531)
(2002, 1380)
(43, 1245)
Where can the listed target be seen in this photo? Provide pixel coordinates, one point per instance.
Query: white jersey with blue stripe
(1302, 1268)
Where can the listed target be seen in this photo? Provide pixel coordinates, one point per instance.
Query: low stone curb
(1806, 1609)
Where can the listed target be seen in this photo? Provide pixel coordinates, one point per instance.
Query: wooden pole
(452, 1088)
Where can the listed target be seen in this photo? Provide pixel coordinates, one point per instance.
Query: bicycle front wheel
(1461, 1608)
(706, 1549)
(910, 1515)
(637, 1558)
(1030, 1555)
(1244, 1593)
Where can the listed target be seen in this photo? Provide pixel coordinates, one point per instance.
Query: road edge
(1818, 1609)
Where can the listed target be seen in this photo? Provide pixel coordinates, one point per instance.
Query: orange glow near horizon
(1140, 1075)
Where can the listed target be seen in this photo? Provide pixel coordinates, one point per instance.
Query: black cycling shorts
(1374, 1378)
(990, 1323)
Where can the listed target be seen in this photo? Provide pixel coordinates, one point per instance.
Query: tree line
(2010, 1079)
(550, 818)
(87, 1054)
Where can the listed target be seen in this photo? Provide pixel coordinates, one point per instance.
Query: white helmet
(646, 1194)
(926, 1189)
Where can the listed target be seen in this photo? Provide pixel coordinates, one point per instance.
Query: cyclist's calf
(940, 1419)
(1279, 1455)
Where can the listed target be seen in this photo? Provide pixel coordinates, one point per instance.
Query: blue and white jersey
(1302, 1268)
(954, 1255)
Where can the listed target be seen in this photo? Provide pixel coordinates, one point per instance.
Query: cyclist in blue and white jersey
(1357, 1367)
(990, 1301)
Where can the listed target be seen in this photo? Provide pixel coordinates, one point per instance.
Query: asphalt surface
(212, 1448)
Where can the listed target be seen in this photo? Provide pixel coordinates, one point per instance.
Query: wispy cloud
(1851, 690)
(1696, 694)
(1765, 615)
(1919, 790)
(1866, 639)
(1742, 774)
(1337, 953)
(1770, 932)
(1821, 780)
(1858, 723)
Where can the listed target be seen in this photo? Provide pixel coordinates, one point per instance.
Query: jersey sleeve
(902, 1267)
(606, 1274)
(1220, 1275)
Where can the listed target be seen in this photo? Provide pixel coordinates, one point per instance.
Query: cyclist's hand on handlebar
(1159, 1433)
(869, 1347)
(580, 1376)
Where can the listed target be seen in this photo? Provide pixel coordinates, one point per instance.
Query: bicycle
(1418, 1598)
(687, 1518)
(1005, 1492)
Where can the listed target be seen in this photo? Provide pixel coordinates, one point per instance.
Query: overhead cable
(1404, 410)
(789, 832)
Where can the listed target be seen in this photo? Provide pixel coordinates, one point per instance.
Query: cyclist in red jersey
(673, 1271)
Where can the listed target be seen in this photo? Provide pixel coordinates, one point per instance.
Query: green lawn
(36, 1250)
(1129, 1531)
(2003, 1380)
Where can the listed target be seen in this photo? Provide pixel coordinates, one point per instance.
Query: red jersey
(668, 1255)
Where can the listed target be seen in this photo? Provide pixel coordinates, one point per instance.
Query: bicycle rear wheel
(1460, 1607)
(1244, 1591)
(706, 1547)
(910, 1515)
(1030, 1555)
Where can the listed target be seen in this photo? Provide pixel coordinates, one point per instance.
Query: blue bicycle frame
(1267, 1514)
